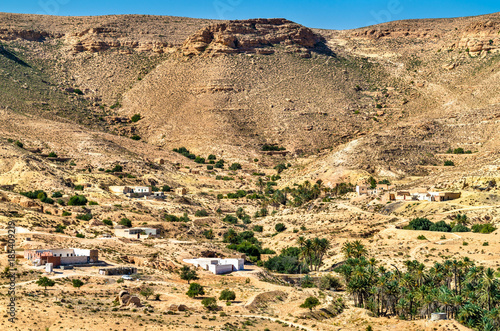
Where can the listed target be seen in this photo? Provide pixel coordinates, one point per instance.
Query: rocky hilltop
(252, 36)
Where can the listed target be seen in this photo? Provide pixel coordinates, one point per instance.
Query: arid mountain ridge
(401, 92)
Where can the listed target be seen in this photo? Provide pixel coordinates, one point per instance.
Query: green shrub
(419, 223)
(286, 265)
(166, 188)
(421, 237)
(85, 217)
(52, 154)
(209, 234)
(230, 219)
(258, 228)
(201, 213)
(171, 218)
(210, 303)
(212, 157)
(57, 194)
(66, 213)
(117, 168)
(227, 295)
(210, 167)
(483, 228)
(268, 148)
(93, 203)
(19, 144)
(449, 163)
(440, 226)
(235, 166)
(107, 222)
(77, 200)
(219, 164)
(126, 222)
(136, 118)
(135, 137)
(195, 290)
(79, 235)
(460, 228)
(280, 227)
(78, 187)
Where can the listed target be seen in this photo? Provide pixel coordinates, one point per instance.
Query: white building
(136, 233)
(131, 191)
(218, 266)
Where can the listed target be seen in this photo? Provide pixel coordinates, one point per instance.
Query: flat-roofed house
(61, 256)
(136, 233)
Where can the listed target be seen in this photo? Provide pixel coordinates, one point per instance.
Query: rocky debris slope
(251, 36)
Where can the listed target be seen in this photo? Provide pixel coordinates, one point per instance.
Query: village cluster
(387, 193)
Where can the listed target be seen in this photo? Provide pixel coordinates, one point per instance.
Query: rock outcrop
(30, 35)
(480, 36)
(128, 301)
(251, 36)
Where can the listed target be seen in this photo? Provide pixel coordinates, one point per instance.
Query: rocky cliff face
(480, 36)
(8, 34)
(251, 36)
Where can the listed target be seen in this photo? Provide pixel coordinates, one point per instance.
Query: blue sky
(331, 14)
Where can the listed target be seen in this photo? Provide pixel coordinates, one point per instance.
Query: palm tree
(489, 286)
(348, 250)
(359, 249)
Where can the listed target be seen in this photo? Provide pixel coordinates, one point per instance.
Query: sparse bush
(85, 217)
(208, 234)
(188, 274)
(93, 203)
(280, 227)
(77, 283)
(460, 228)
(79, 235)
(135, 137)
(201, 213)
(136, 118)
(210, 303)
(235, 166)
(126, 222)
(310, 303)
(230, 219)
(421, 237)
(483, 228)
(77, 200)
(147, 292)
(107, 222)
(166, 188)
(57, 194)
(117, 168)
(258, 228)
(227, 295)
(52, 154)
(195, 290)
(419, 223)
(449, 163)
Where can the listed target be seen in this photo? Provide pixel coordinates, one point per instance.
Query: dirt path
(295, 325)
(415, 250)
